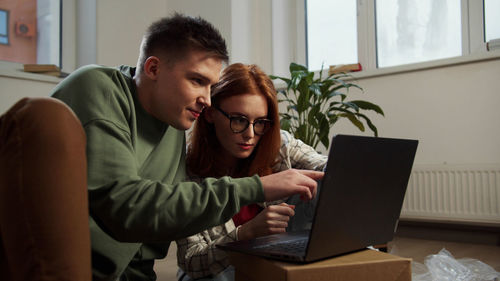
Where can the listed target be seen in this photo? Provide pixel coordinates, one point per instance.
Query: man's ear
(152, 67)
(209, 115)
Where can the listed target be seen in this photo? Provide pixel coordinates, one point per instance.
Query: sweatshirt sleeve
(132, 209)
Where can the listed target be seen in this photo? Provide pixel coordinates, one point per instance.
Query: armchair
(44, 233)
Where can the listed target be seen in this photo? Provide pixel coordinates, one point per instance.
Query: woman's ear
(209, 115)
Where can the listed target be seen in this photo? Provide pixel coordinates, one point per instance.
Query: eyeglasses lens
(260, 127)
(239, 124)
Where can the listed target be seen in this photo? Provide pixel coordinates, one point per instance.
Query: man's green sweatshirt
(139, 200)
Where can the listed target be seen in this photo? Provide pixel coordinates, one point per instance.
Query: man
(134, 120)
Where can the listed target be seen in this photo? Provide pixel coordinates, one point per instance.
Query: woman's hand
(273, 219)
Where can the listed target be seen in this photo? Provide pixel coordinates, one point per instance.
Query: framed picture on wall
(4, 27)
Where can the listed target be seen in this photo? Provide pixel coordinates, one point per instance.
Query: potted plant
(315, 105)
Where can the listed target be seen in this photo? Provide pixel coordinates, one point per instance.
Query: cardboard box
(366, 265)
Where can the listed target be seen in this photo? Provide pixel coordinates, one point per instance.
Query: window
(332, 39)
(492, 19)
(397, 32)
(4, 27)
(30, 31)
(417, 31)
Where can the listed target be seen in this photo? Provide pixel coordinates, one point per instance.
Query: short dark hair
(176, 35)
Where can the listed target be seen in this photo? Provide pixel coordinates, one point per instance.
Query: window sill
(15, 70)
(394, 70)
(492, 55)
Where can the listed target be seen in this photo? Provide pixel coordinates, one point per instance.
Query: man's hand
(289, 182)
(273, 219)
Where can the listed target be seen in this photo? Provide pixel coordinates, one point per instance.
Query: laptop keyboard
(296, 246)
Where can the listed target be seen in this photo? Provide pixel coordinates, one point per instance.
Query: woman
(239, 136)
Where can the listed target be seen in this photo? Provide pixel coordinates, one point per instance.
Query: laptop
(358, 205)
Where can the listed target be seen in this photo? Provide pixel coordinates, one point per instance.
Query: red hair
(203, 147)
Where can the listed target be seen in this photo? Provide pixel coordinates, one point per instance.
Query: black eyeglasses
(239, 123)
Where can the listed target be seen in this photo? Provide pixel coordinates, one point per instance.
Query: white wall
(13, 89)
(251, 35)
(120, 26)
(217, 12)
(453, 110)
(246, 26)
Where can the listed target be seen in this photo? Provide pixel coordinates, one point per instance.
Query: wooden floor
(419, 249)
(411, 242)
(417, 240)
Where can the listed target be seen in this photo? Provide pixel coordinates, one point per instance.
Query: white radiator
(454, 193)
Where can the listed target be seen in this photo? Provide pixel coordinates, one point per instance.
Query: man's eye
(197, 81)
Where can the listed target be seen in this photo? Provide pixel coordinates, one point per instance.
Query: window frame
(67, 58)
(6, 35)
(472, 32)
(473, 42)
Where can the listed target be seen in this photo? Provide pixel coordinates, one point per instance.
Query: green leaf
(324, 128)
(292, 106)
(311, 119)
(286, 124)
(301, 133)
(286, 100)
(283, 92)
(323, 123)
(351, 105)
(309, 78)
(341, 76)
(286, 80)
(333, 94)
(296, 67)
(334, 108)
(332, 118)
(368, 106)
(325, 85)
(312, 115)
(337, 88)
(354, 85)
(325, 140)
(280, 100)
(321, 71)
(315, 88)
(341, 82)
(315, 108)
(303, 102)
(370, 124)
(296, 78)
(304, 96)
(355, 121)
